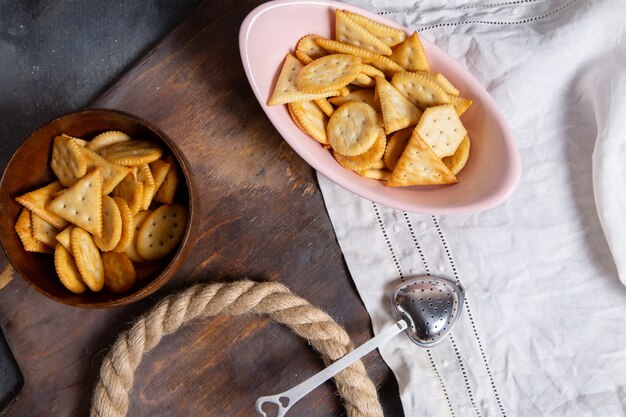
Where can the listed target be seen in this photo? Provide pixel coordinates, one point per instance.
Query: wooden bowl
(29, 169)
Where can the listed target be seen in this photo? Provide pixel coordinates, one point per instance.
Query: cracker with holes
(419, 165)
(138, 221)
(398, 111)
(328, 73)
(119, 272)
(107, 139)
(347, 30)
(131, 190)
(132, 152)
(442, 129)
(81, 204)
(87, 258)
(68, 163)
(286, 90)
(312, 119)
(162, 231)
(67, 271)
(353, 128)
(37, 200)
(420, 90)
(111, 225)
(410, 54)
(43, 231)
(366, 160)
(126, 237)
(23, 228)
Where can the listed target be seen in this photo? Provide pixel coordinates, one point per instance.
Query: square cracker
(68, 163)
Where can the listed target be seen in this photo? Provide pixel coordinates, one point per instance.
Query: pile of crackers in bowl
(370, 97)
(110, 216)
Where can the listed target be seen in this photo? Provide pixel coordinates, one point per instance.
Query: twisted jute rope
(110, 397)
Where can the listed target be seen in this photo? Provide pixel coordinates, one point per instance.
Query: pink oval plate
(493, 169)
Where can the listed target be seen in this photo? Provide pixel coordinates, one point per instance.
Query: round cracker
(162, 231)
(111, 225)
(107, 139)
(127, 225)
(353, 128)
(68, 272)
(87, 258)
(132, 152)
(131, 250)
(328, 73)
(367, 159)
(119, 272)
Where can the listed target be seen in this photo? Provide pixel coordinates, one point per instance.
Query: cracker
(456, 162)
(132, 152)
(36, 201)
(460, 104)
(80, 142)
(307, 50)
(138, 221)
(363, 80)
(294, 117)
(420, 90)
(67, 163)
(328, 73)
(43, 231)
(24, 231)
(159, 169)
(126, 237)
(107, 139)
(395, 146)
(144, 175)
(410, 54)
(386, 65)
(312, 119)
(367, 159)
(167, 191)
(388, 35)
(371, 71)
(112, 174)
(353, 128)
(119, 272)
(64, 237)
(365, 95)
(398, 111)
(162, 231)
(325, 106)
(442, 129)
(347, 30)
(286, 90)
(444, 83)
(67, 271)
(81, 204)
(344, 48)
(87, 258)
(375, 174)
(131, 190)
(418, 165)
(111, 225)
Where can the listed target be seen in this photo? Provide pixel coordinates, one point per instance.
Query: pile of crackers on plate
(370, 97)
(110, 216)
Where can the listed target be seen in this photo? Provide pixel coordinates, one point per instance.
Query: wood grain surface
(262, 217)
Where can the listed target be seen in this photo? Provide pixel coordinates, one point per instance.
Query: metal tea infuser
(426, 308)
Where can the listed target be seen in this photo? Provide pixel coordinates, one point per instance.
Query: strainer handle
(286, 399)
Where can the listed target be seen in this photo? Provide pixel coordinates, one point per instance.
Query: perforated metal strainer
(426, 307)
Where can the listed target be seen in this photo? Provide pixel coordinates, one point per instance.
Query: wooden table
(263, 217)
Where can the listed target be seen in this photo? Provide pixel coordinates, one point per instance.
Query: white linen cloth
(543, 331)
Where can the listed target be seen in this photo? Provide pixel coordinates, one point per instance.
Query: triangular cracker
(349, 31)
(395, 146)
(112, 174)
(64, 237)
(410, 54)
(460, 104)
(37, 200)
(286, 90)
(388, 35)
(67, 163)
(81, 204)
(398, 111)
(419, 165)
(24, 231)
